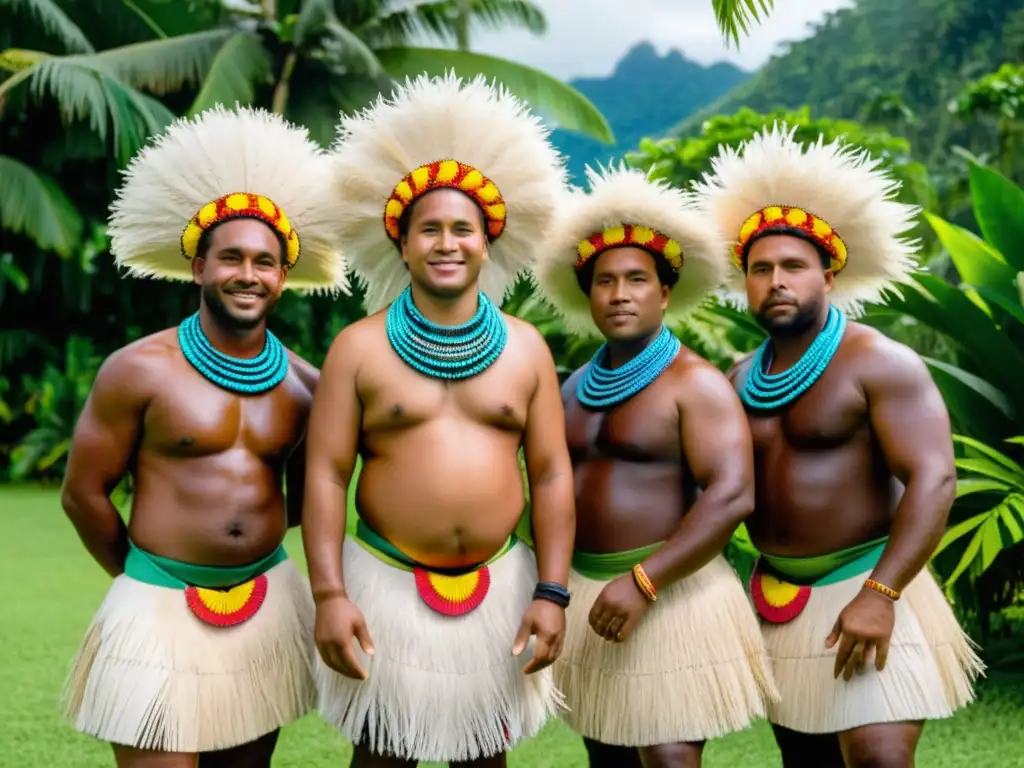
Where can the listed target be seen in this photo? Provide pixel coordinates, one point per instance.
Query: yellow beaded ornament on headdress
(237, 205)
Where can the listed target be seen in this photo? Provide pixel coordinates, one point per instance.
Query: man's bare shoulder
(357, 339)
(879, 360)
(740, 365)
(307, 373)
(572, 383)
(694, 380)
(137, 371)
(531, 340)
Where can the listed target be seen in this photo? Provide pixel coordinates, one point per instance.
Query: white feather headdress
(625, 207)
(836, 194)
(219, 165)
(443, 132)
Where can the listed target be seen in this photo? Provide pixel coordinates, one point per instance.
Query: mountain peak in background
(646, 95)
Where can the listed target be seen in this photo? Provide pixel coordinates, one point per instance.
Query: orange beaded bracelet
(889, 592)
(640, 577)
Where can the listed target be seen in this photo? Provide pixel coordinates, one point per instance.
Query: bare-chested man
(662, 650)
(863, 643)
(424, 616)
(203, 646)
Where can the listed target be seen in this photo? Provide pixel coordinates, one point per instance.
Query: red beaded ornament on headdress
(240, 205)
(629, 234)
(447, 174)
(790, 217)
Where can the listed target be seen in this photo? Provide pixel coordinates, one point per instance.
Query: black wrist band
(553, 592)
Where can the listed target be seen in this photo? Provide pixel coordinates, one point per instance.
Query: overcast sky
(586, 37)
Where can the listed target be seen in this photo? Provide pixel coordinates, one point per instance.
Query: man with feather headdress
(662, 651)
(425, 615)
(203, 645)
(853, 455)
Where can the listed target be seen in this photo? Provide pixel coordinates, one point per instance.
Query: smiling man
(853, 457)
(662, 651)
(203, 645)
(424, 616)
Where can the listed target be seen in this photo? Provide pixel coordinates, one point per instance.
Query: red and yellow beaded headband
(447, 174)
(789, 217)
(629, 234)
(235, 206)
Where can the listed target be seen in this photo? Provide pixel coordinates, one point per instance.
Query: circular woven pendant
(227, 607)
(775, 600)
(453, 595)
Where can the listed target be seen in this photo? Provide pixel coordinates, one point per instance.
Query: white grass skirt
(694, 668)
(928, 675)
(439, 689)
(151, 675)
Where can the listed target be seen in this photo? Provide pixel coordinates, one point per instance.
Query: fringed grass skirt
(440, 688)
(929, 673)
(151, 675)
(694, 668)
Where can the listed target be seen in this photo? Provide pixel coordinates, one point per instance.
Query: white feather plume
(838, 183)
(620, 196)
(220, 151)
(432, 119)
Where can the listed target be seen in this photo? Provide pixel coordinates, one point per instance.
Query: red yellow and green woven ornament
(443, 133)
(836, 195)
(227, 607)
(453, 595)
(775, 600)
(220, 165)
(625, 208)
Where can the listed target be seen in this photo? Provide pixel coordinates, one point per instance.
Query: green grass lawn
(49, 589)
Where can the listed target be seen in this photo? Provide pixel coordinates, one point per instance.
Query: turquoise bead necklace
(246, 376)
(450, 352)
(765, 392)
(602, 387)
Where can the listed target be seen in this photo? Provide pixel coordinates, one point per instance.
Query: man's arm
(102, 448)
(911, 423)
(331, 449)
(719, 451)
(549, 469)
(295, 468)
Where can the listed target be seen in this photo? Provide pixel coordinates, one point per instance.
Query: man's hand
(547, 621)
(865, 626)
(338, 622)
(618, 609)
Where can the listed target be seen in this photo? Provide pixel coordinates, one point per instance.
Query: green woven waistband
(388, 553)
(602, 566)
(834, 567)
(163, 572)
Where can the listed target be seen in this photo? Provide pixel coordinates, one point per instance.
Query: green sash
(608, 565)
(821, 570)
(388, 553)
(163, 572)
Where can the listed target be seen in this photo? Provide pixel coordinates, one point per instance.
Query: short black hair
(823, 255)
(406, 217)
(666, 275)
(204, 239)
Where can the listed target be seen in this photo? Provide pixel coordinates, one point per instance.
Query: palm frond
(341, 44)
(437, 21)
(505, 14)
(164, 65)
(32, 204)
(238, 66)
(556, 102)
(736, 16)
(54, 22)
(85, 90)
